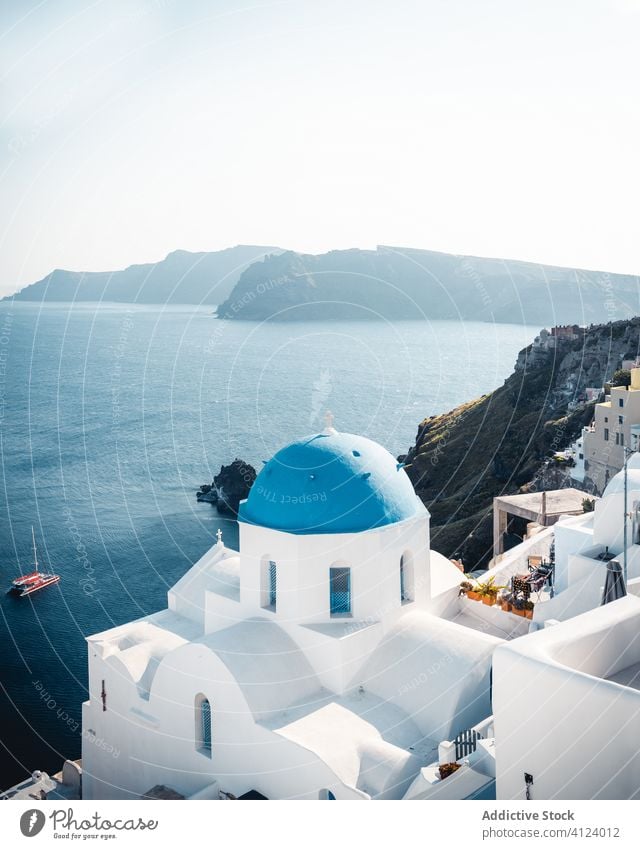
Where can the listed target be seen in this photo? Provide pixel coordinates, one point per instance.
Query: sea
(112, 415)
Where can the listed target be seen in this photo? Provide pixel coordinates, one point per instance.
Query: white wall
(573, 731)
(162, 748)
(303, 563)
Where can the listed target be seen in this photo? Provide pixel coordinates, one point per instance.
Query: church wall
(303, 563)
(155, 742)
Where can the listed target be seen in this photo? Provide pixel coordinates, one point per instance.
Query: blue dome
(331, 483)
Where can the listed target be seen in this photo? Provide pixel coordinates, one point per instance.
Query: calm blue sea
(110, 418)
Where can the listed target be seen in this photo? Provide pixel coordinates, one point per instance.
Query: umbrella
(614, 587)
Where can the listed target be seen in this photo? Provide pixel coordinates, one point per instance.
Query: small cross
(219, 535)
(328, 419)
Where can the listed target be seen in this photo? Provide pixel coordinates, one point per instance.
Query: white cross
(219, 535)
(328, 419)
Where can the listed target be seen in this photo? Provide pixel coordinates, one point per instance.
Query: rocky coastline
(504, 442)
(229, 487)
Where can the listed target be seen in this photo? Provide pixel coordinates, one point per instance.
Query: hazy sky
(130, 128)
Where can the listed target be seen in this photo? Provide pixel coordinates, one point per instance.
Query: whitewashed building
(324, 659)
(333, 656)
(566, 698)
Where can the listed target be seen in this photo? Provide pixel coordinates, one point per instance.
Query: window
(406, 577)
(581, 456)
(622, 439)
(606, 418)
(617, 439)
(203, 724)
(620, 419)
(326, 795)
(268, 584)
(606, 434)
(621, 402)
(340, 591)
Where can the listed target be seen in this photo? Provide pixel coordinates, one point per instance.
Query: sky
(131, 128)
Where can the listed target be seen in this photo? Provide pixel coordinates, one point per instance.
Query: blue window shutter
(273, 578)
(340, 590)
(205, 715)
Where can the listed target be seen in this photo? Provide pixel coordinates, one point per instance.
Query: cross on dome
(329, 429)
(219, 536)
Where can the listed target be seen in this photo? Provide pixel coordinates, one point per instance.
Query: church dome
(616, 484)
(331, 483)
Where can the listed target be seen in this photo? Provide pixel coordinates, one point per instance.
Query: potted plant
(528, 609)
(465, 587)
(445, 770)
(489, 591)
(504, 600)
(517, 606)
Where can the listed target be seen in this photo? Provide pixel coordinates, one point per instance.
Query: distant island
(182, 277)
(257, 283)
(404, 283)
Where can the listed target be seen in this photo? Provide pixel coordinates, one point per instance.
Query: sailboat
(35, 580)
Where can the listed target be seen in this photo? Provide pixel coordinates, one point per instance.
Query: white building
(615, 427)
(566, 699)
(333, 656)
(313, 663)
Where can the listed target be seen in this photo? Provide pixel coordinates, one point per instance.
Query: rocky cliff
(502, 442)
(403, 283)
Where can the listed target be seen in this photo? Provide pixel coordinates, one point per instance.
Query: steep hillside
(499, 443)
(181, 278)
(402, 283)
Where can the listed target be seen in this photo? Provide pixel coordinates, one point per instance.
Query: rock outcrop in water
(403, 283)
(503, 441)
(230, 486)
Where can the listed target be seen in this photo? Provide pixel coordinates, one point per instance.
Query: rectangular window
(272, 584)
(620, 419)
(621, 402)
(268, 584)
(617, 439)
(606, 434)
(340, 591)
(206, 725)
(606, 418)
(622, 439)
(581, 456)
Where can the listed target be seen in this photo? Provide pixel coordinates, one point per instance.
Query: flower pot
(517, 611)
(506, 606)
(528, 614)
(473, 595)
(488, 599)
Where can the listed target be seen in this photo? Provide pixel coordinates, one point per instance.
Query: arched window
(325, 795)
(203, 724)
(340, 591)
(406, 577)
(268, 583)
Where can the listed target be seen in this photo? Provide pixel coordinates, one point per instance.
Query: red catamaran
(36, 580)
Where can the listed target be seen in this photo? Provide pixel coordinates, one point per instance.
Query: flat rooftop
(528, 505)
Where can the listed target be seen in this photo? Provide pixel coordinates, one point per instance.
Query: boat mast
(35, 553)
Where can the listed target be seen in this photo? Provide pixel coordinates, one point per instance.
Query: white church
(334, 656)
(313, 663)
